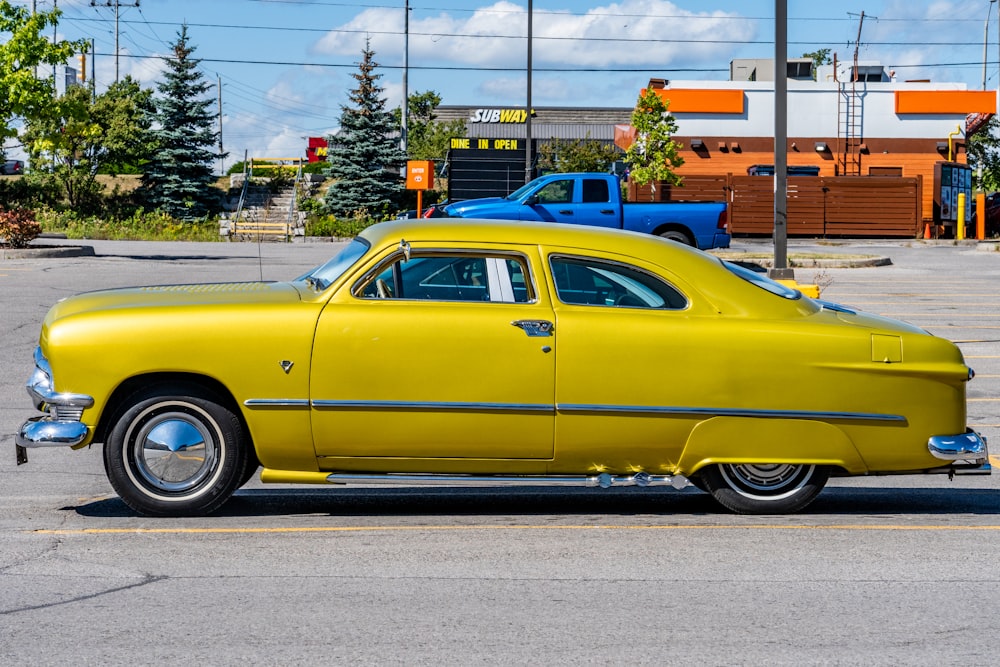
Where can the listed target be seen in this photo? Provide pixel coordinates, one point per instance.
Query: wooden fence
(817, 206)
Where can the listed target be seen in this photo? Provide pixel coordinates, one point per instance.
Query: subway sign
(499, 116)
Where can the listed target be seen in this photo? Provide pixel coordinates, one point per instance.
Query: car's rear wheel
(677, 235)
(174, 452)
(757, 488)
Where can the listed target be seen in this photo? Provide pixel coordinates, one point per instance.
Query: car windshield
(762, 281)
(322, 276)
(520, 192)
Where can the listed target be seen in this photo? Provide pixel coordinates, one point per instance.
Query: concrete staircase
(267, 214)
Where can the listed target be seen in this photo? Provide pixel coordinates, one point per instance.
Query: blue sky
(285, 65)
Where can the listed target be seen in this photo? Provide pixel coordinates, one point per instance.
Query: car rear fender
(766, 440)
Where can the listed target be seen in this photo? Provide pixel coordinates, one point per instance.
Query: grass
(141, 226)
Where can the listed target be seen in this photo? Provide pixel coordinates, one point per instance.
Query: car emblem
(286, 366)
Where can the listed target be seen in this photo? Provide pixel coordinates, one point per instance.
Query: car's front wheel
(756, 488)
(174, 452)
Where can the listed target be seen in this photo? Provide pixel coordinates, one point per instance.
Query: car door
(630, 350)
(554, 202)
(436, 353)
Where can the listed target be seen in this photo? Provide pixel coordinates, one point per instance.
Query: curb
(831, 263)
(42, 252)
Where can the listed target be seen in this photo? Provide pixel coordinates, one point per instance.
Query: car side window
(556, 192)
(592, 282)
(449, 277)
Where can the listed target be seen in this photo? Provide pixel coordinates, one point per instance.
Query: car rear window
(762, 281)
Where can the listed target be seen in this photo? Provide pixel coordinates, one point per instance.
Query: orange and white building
(852, 120)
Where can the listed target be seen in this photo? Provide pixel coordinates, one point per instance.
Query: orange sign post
(419, 177)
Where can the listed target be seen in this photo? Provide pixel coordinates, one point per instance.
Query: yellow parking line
(384, 529)
(940, 314)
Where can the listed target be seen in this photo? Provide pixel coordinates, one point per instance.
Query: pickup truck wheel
(675, 235)
(175, 454)
(757, 488)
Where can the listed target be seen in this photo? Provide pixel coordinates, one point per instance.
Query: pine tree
(178, 179)
(364, 156)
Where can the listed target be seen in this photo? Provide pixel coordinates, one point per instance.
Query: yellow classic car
(496, 353)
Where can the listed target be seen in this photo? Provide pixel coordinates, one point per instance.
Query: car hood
(481, 208)
(166, 296)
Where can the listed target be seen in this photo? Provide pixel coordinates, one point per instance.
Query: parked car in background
(496, 353)
(432, 211)
(13, 167)
(596, 200)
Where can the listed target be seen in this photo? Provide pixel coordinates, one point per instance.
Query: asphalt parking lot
(878, 571)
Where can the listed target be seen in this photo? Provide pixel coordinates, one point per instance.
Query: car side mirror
(531, 201)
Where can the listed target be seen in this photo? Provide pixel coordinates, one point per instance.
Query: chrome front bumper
(62, 426)
(48, 432)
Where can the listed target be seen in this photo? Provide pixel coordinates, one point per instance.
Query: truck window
(556, 192)
(595, 190)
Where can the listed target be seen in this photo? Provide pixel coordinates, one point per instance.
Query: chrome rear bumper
(968, 453)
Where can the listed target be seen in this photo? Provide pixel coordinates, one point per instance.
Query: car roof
(519, 232)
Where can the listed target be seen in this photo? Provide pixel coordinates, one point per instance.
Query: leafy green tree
(983, 152)
(819, 57)
(568, 155)
(179, 178)
(23, 49)
(653, 155)
(63, 146)
(109, 135)
(426, 137)
(124, 112)
(364, 156)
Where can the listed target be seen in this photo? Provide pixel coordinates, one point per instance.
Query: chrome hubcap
(174, 452)
(769, 481)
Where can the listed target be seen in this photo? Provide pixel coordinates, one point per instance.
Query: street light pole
(780, 269)
(986, 35)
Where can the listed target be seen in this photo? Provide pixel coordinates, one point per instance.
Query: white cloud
(641, 33)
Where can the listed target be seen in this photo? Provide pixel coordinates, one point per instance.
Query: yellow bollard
(960, 223)
(981, 216)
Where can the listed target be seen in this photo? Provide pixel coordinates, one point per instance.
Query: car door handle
(566, 211)
(608, 211)
(534, 328)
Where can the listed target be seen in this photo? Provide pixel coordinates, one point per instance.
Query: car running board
(603, 480)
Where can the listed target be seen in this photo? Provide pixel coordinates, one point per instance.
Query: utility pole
(117, 4)
(55, 38)
(406, 69)
(527, 118)
(222, 158)
(93, 71)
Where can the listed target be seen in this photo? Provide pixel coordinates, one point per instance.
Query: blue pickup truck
(595, 199)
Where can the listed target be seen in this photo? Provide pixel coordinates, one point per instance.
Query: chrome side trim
(608, 409)
(276, 403)
(968, 445)
(603, 480)
(432, 405)
(732, 412)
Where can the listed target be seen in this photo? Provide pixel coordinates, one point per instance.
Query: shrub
(329, 225)
(19, 227)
